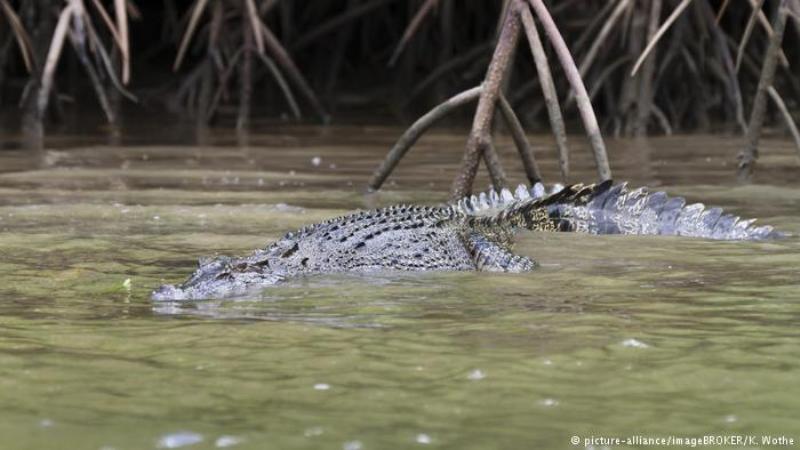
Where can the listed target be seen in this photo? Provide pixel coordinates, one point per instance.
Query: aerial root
(749, 154)
(479, 143)
(416, 130)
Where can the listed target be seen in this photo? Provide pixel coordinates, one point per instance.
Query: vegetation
(626, 67)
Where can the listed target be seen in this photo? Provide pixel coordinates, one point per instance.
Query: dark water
(613, 336)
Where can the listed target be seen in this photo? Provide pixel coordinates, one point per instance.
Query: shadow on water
(613, 335)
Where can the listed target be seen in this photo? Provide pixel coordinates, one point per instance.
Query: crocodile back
(398, 237)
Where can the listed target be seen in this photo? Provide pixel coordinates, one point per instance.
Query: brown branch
(255, 22)
(601, 37)
(222, 82)
(730, 79)
(575, 81)
(197, 11)
(480, 136)
(416, 130)
(762, 19)
(644, 101)
(748, 30)
(468, 57)
(124, 41)
(412, 28)
(657, 36)
(282, 84)
(21, 36)
(749, 155)
(246, 76)
(722, 9)
(787, 117)
(590, 30)
(548, 91)
(600, 79)
(521, 141)
(496, 172)
(335, 22)
(53, 54)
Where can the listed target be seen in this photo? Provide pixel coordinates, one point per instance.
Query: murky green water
(613, 336)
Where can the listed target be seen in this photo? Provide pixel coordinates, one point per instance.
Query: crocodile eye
(225, 275)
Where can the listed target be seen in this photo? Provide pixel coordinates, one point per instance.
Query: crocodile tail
(609, 209)
(619, 210)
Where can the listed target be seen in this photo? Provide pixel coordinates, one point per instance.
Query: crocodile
(474, 233)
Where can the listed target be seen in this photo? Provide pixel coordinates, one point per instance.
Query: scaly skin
(475, 233)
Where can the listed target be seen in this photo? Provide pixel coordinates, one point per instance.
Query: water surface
(612, 336)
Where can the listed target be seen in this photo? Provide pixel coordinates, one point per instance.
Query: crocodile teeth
(522, 192)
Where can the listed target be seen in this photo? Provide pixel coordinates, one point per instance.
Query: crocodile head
(221, 277)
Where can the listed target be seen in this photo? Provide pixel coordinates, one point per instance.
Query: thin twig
(284, 60)
(197, 11)
(121, 11)
(246, 77)
(255, 24)
(335, 22)
(644, 100)
(722, 9)
(787, 117)
(730, 79)
(412, 28)
(664, 27)
(222, 81)
(590, 30)
(467, 57)
(601, 37)
(520, 141)
(281, 80)
(662, 119)
(20, 35)
(548, 91)
(748, 30)
(749, 155)
(493, 166)
(83, 57)
(762, 19)
(480, 136)
(53, 54)
(575, 81)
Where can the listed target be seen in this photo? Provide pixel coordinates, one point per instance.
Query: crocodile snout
(169, 292)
